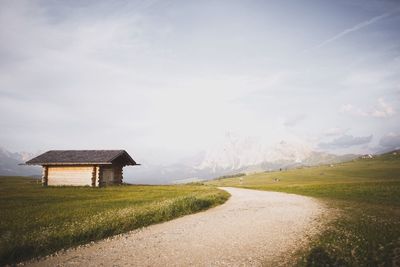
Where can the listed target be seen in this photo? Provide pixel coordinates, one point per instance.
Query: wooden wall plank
(71, 175)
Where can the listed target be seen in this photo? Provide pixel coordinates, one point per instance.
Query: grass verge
(37, 221)
(366, 194)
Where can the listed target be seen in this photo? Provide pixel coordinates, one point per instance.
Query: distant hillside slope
(359, 170)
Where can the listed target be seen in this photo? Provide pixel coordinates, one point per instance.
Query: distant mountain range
(249, 155)
(9, 164)
(234, 155)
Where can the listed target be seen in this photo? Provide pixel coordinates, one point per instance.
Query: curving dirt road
(252, 228)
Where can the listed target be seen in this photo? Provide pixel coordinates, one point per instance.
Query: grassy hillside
(365, 229)
(37, 221)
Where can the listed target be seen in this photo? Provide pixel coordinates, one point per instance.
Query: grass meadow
(37, 221)
(364, 198)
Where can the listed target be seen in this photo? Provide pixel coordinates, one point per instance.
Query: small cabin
(94, 168)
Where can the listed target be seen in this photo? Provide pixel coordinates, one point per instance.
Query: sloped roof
(81, 157)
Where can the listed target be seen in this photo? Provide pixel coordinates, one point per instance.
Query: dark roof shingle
(71, 157)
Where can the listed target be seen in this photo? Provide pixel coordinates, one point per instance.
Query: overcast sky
(166, 79)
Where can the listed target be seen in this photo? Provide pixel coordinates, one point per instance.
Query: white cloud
(335, 131)
(363, 78)
(346, 141)
(350, 109)
(381, 110)
(293, 121)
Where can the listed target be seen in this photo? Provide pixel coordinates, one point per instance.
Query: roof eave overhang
(128, 159)
(130, 164)
(68, 163)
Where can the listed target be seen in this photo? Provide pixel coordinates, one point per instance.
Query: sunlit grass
(37, 221)
(365, 193)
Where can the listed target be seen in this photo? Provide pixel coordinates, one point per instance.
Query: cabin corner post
(122, 174)
(94, 176)
(45, 175)
(99, 176)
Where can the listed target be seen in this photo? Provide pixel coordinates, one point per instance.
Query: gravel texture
(252, 228)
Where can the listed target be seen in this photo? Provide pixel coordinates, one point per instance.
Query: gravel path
(252, 228)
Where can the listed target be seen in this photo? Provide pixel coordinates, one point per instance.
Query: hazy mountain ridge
(236, 155)
(249, 155)
(9, 163)
(314, 158)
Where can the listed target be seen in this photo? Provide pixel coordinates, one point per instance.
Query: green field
(363, 197)
(37, 221)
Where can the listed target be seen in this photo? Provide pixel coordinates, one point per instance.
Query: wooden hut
(82, 167)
